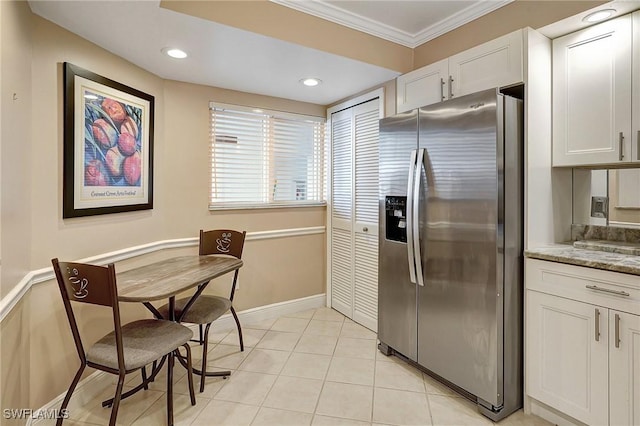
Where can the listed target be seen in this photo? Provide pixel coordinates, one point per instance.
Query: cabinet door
(624, 364)
(592, 95)
(421, 87)
(567, 366)
(492, 64)
(354, 212)
(365, 295)
(342, 213)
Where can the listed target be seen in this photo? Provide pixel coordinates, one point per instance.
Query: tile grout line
(375, 369)
(326, 373)
(279, 373)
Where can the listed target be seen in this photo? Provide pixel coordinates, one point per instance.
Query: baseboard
(551, 415)
(87, 389)
(262, 313)
(98, 381)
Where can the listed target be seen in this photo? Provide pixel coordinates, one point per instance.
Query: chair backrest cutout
(96, 285)
(222, 241)
(85, 283)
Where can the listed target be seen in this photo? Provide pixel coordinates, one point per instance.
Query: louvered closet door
(354, 213)
(342, 213)
(365, 306)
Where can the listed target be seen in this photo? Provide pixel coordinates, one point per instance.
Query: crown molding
(352, 20)
(458, 19)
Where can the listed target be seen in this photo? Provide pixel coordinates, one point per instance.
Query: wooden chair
(206, 308)
(128, 347)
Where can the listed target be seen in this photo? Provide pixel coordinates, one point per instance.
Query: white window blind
(266, 158)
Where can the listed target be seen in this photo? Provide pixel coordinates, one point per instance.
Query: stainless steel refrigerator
(450, 257)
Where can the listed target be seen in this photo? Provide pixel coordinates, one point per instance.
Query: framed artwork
(108, 145)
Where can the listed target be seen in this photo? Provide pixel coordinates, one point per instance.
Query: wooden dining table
(167, 278)
(163, 280)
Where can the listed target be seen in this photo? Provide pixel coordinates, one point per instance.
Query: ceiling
(231, 58)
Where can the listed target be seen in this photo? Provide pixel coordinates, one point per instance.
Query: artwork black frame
(108, 145)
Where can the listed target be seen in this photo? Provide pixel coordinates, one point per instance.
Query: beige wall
(14, 361)
(16, 143)
(516, 15)
(275, 270)
(15, 149)
(36, 331)
(616, 214)
(389, 89)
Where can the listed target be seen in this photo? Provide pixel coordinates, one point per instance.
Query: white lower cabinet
(624, 369)
(582, 351)
(568, 364)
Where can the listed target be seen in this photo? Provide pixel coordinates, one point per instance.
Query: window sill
(249, 206)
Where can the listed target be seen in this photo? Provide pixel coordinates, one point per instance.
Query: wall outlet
(599, 207)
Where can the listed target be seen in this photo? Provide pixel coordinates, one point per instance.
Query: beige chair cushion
(144, 341)
(205, 310)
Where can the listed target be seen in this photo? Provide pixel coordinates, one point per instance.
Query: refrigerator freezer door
(459, 313)
(397, 297)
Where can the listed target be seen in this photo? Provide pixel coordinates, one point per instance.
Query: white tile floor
(310, 368)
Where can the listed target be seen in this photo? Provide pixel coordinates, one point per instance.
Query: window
(265, 158)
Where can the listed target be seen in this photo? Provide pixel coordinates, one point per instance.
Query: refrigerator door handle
(410, 254)
(416, 217)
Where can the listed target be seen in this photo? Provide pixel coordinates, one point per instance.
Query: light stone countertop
(610, 246)
(566, 253)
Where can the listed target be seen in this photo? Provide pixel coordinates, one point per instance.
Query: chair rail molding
(46, 274)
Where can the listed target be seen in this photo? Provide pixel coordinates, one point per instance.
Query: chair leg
(203, 370)
(170, 360)
(116, 400)
(200, 328)
(67, 397)
(235, 317)
(190, 374)
(143, 371)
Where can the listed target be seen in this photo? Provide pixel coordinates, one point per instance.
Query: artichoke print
(113, 135)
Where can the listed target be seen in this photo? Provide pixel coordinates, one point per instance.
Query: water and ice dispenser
(396, 218)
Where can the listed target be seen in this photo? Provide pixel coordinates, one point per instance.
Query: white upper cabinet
(492, 64)
(592, 95)
(424, 86)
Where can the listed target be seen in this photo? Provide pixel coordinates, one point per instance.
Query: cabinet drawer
(610, 289)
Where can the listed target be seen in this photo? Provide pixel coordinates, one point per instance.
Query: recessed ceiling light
(174, 53)
(599, 15)
(310, 81)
